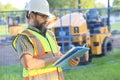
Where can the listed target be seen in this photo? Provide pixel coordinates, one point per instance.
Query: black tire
(86, 58)
(90, 56)
(107, 46)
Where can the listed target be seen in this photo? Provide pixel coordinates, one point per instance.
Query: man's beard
(40, 26)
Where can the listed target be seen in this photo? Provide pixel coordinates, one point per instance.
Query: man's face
(39, 20)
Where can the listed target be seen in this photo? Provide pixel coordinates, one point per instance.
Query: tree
(56, 3)
(87, 3)
(71, 3)
(116, 3)
(6, 7)
(99, 5)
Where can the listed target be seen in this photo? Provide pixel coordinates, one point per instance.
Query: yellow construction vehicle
(71, 30)
(14, 26)
(101, 43)
(74, 30)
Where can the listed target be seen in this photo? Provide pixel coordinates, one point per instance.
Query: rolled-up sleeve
(24, 46)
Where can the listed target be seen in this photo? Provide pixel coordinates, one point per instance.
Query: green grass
(13, 72)
(99, 72)
(103, 70)
(110, 57)
(4, 29)
(115, 26)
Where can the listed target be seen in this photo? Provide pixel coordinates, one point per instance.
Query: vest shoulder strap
(38, 47)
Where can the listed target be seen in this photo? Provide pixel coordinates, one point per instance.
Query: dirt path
(116, 41)
(8, 56)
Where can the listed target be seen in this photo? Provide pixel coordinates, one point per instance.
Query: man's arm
(29, 62)
(25, 52)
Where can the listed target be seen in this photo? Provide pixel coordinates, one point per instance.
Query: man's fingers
(73, 62)
(78, 59)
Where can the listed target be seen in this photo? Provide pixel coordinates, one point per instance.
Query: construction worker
(37, 47)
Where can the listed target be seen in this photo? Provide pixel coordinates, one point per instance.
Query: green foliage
(87, 3)
(116, 3)
(56, 3)
(6, 7)
(99, 5)
(62, 3)
(71, 3)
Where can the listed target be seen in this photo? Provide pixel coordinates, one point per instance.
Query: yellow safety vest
(43, 47)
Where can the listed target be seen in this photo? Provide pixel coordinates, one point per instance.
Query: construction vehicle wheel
(84, 59)
(107, 47)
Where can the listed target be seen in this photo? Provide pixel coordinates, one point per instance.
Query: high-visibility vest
(43, 47)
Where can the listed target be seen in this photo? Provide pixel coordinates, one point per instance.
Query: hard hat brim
(48, 14)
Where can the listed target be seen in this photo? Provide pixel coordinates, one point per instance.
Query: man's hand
(74, 62)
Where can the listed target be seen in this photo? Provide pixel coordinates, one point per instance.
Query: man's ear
(32, 15)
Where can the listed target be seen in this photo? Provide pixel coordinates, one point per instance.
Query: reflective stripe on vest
(42, 71)
(34, 41)
(38, 44)
(48, 42)
(47, 73)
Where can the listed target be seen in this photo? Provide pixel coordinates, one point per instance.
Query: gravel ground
(8, 56)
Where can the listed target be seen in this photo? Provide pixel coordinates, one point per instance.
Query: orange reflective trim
(31, 40)
(40, 74)
(57, 71)
(62, 78)
(35, 46)
(27, 78)
(37, 53)
(43, 50)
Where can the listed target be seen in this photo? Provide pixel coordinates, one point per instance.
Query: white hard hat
(40, 6)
